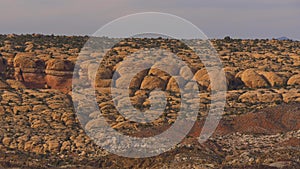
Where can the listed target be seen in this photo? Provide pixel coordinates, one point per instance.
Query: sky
(216, 18)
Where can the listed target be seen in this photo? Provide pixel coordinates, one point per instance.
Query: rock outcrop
(294, 80)
(39, 127)
(253, 80)
(59, 74)
(2, 67)
(35, 73)
(274, 79)
(29, 70)
(3, 84)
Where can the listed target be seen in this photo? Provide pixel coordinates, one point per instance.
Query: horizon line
(86, 35)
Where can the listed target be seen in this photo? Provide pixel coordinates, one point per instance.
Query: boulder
(204, 79)
(60, 65)
(253, 80)
(29, 46)
(173, 84)
(153, 82)
(29, 70)
(273, 78)
(294, 80)
(103, 73)
(59, 74)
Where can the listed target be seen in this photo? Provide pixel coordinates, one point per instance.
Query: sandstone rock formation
(30, 70)
(294, 80)
(273, 78)
(253, 80)
(3, 84)
(2, 67)
(59, 74)
(39, 127)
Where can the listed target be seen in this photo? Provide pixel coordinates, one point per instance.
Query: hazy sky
(216, 18)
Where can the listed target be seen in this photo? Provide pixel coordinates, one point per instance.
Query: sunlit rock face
(59, 74)
(29, 70)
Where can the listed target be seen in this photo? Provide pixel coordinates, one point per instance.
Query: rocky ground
(260, 127)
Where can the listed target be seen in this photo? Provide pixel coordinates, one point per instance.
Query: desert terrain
(260, 125)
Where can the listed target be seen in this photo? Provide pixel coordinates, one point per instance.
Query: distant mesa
(284, 38)
(151, 35)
